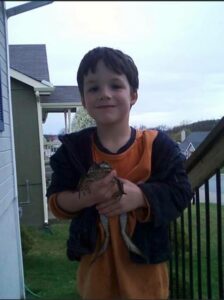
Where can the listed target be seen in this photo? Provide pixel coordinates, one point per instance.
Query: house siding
(27, 147)
(11, 268)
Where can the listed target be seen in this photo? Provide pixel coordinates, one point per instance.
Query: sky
(178, 48)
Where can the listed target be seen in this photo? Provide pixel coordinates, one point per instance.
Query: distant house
(33, 97)
(192, 141)
(64, 99)
(51, 144)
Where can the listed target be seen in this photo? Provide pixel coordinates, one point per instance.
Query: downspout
(43, 174)
(25, 7)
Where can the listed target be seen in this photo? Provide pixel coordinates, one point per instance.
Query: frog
(98, 171)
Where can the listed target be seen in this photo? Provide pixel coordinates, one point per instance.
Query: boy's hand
(100, 191)
(133, 199)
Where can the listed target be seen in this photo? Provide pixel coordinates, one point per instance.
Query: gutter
(25, 7)
(44, 87)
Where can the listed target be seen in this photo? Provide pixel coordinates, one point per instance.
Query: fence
(196, 265)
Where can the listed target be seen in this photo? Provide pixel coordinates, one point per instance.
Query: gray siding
(11, 269)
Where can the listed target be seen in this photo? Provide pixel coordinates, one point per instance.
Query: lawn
(47, 271)
(50, 275)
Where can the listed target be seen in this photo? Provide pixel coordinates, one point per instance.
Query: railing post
(190, 252)
(176, 259)
(171, 264)
(219, 234)
(198, 230)
(183, 257)
(208, 252)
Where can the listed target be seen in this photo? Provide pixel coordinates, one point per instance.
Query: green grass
(47, 271)
(50, 275)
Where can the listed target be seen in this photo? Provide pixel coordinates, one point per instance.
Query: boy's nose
(105, 93)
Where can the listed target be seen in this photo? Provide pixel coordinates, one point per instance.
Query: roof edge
(44, 86)
(60, 105)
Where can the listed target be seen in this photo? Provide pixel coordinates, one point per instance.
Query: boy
(147, 163)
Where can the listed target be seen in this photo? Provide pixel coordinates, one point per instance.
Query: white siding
(5, 158)
(11, 268)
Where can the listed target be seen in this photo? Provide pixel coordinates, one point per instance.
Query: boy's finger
(123, 180)
(108, 178)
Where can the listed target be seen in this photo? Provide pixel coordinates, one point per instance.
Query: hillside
(206, 125)
(175, 132)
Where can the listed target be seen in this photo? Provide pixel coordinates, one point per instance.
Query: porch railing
(197, 264)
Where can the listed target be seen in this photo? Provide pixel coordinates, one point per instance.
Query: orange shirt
(113, 275)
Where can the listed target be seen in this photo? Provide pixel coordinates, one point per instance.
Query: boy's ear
(134, 97)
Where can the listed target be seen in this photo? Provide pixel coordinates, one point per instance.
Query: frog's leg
(105, 223)
(128, 242)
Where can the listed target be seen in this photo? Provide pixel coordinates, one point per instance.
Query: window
(1, 105)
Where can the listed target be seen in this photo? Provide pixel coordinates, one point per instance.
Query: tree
(82, 120)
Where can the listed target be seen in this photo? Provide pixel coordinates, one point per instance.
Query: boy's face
(107, 96)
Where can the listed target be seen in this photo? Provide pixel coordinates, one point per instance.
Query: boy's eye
(93, 89)
(116, 86)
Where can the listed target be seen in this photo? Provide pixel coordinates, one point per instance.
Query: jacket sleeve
(168, 190)
(63, 176)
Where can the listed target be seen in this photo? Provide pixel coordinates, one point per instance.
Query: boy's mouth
(105, 106)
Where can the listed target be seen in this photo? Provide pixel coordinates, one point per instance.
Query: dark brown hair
(114, 59)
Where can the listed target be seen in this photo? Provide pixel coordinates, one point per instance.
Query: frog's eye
(105, 165)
